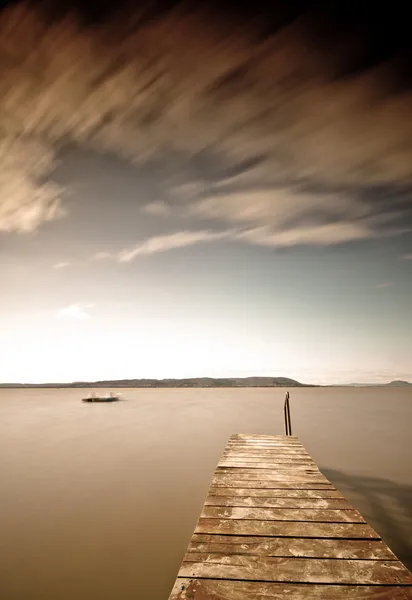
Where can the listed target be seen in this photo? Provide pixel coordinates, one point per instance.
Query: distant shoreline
(196, 382)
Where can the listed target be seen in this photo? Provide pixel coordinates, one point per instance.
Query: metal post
(286, 411)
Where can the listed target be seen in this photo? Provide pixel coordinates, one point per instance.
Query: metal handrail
(286, 412)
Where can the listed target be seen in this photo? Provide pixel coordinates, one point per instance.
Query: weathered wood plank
(265, 469)
(212, 589)
(282, 514)
(293, 547)
(286, 529)
(266, 465)
(252, 437)
(269, 453)
(319, 503)
(229, 482)
(229, 479)
(298, 570)
(267, 459)
(267, 437)
(250, 448)
(275, 457)
(318, 492)
(257, 455)
(270, 473)
(266, 443)
(285, 441)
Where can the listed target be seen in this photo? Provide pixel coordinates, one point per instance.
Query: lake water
(99, 501)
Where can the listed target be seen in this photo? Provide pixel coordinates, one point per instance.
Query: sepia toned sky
(198, 191)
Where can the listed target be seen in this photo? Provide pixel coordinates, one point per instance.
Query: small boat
(94, 398)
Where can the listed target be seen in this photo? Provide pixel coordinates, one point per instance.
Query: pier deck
(273, 527)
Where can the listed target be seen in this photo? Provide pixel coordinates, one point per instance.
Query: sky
(205, 192)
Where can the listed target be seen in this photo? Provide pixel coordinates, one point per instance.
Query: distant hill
(396, 383)
(203, 382)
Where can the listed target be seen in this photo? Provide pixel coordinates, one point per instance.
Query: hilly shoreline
(203, 382)
(198, 382)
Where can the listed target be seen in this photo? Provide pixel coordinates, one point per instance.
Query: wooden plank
(277, 467)
(298, 570)
(275, 459)
(269, 436)
(263, 464)
(268, 455)
(301, 473)
(286, 529)
(293, 547)
(212, 589)
(304, 478)
(252, 437)
(282, 514)
(318, 492)
(281, 450)
(262, 478)
(285, 484)
(263, 444)
(288, 439)
(265, 469)
(251, 448)
(320, 503)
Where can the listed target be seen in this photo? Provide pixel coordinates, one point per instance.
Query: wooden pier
(273, 527)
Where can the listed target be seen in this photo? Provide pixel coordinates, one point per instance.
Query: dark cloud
(293, 126)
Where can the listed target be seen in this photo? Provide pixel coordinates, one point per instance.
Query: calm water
(99, 501)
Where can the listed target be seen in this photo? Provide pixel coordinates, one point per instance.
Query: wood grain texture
(297, 570)
(282, 514)
(302, 483)
(293, 547)
(310, 503)
(284, 492)
(286, 529)
(212, 589)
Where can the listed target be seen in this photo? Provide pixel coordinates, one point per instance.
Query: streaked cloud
(75, 311)
(316, 235)
(172, 241)
(26, 201)
(247, 128)
(407, 257)
(61, 265)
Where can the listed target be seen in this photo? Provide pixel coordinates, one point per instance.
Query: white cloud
(274, 206)
(61, 265)
(24, 202)
(75, 311)
(163, 243)
(316, 235)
